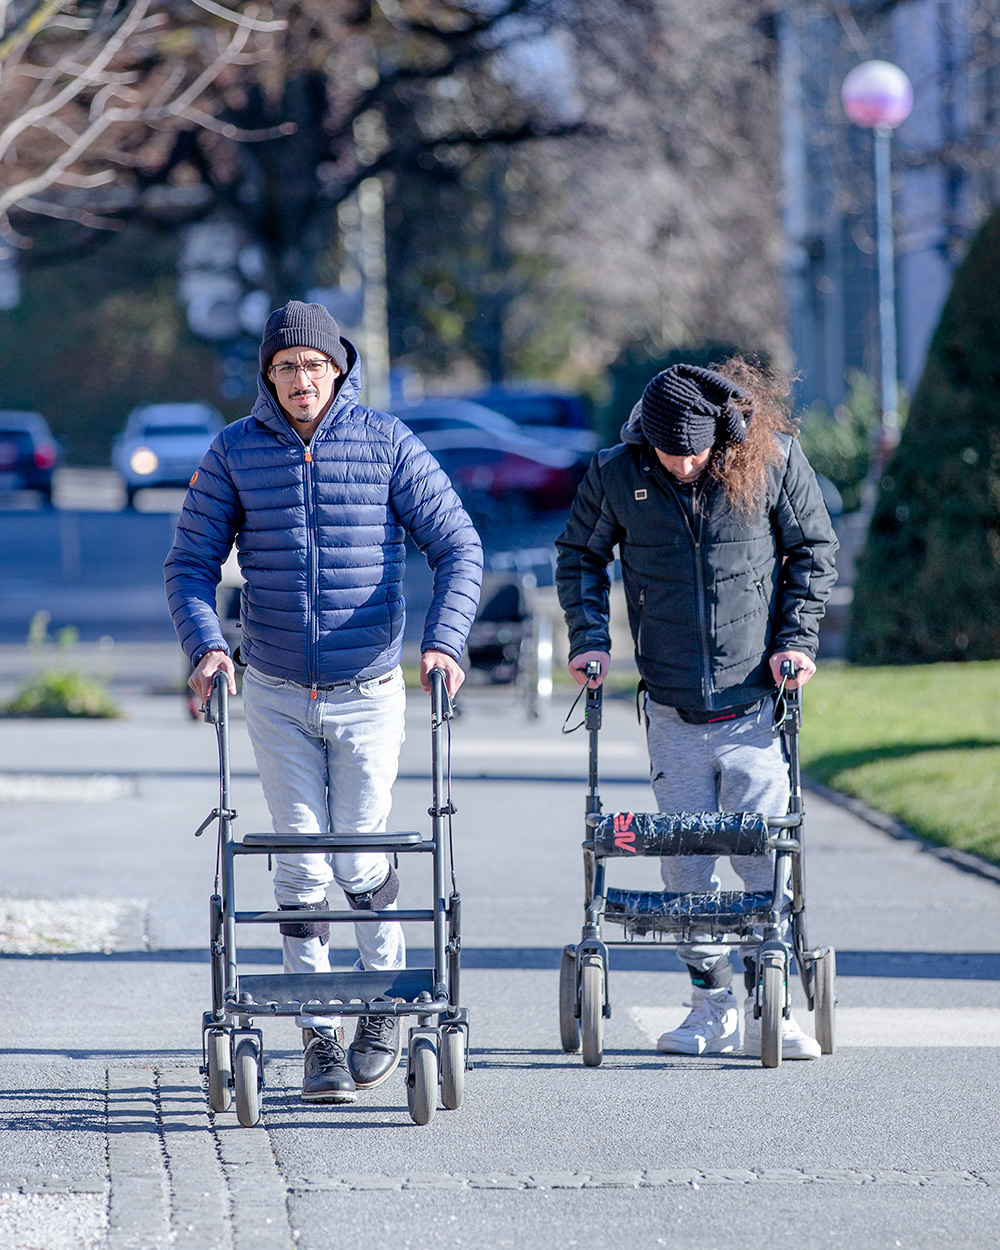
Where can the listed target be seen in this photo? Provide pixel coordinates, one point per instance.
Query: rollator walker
(232, 1048)
(726, 917)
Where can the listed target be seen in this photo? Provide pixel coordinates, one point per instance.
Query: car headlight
(143, 461)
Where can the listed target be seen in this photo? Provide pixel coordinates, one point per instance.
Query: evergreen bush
(839, 446)
(928, 581)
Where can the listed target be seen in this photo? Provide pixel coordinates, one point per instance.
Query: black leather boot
(374, 1054)
(326, 1077)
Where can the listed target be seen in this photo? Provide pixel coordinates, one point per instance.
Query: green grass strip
(920, 742)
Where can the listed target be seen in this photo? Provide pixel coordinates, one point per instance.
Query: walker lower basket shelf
(727, 913)
(399, 991)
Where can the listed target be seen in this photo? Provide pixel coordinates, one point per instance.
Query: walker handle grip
(442, 707)
(592, 715)
(220, 688)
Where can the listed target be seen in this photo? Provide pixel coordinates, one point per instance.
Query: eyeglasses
(314, 369)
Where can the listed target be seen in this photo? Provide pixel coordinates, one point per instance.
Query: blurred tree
(928, 582)
(90, 92)
(565, 179)
(145, 106)
(669, 223)
(653, 224)
(114, 337)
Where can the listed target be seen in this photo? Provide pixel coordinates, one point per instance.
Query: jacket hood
(269, 412)
(632, 430)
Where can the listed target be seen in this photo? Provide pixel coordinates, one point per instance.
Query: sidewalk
(108, 1143)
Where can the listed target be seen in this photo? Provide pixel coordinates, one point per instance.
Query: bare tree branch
(99, 76)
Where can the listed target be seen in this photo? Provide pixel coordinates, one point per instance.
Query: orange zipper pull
(308, 456)
(312, 693)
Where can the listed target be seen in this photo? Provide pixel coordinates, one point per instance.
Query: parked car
(496, 465)
(28, 453)
(162, 444)
(556, 417)
(535, 405)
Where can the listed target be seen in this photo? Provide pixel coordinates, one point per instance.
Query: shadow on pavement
(906, 965)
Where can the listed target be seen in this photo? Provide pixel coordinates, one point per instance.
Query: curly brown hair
(741, 468)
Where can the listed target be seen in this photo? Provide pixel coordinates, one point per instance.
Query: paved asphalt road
(108, 1144)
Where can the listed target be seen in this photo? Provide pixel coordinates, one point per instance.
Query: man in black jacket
(727, 559)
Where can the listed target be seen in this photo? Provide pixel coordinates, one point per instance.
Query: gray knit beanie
(302, 325)
(685, 410)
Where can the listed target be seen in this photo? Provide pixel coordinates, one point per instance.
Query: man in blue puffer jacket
(318, 492)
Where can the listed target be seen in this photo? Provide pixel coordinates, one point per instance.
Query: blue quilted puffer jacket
(319, 532)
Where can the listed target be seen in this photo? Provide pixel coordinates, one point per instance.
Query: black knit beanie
(302, 325)
(685, 410)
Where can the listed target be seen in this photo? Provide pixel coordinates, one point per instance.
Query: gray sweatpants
(729, 766)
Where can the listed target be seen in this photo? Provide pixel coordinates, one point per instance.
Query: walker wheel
(569, 1024)
(592, 1009)
(246, 1078)
(219, 1061)
(452, 1068)
(825, 999)
(772, 1013)
(422, 1079)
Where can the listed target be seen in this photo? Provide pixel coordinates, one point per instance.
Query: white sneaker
(712, 1026)
(795, 1044)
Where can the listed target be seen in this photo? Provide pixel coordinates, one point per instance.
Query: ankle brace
(306, 928)
(750, 974)
(377, 899)
(718, 977)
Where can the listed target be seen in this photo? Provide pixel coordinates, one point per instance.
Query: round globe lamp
(878, 96)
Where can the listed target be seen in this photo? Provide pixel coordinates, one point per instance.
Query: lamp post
(879, 96)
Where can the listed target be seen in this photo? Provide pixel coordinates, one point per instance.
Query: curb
(965, 861)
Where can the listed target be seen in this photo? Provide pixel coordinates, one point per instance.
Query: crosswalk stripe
(871, 1026)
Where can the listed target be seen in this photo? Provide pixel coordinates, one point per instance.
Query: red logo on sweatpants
(624, 833)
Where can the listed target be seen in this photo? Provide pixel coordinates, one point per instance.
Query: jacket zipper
(313, 625)
(638, 632)
(706, 667)
(699, 582)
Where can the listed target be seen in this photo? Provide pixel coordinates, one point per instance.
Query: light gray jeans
(328, 765)
(729, 766)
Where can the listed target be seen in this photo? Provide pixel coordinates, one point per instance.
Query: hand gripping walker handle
(216, 706)
(442, 707)
(592, 715)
